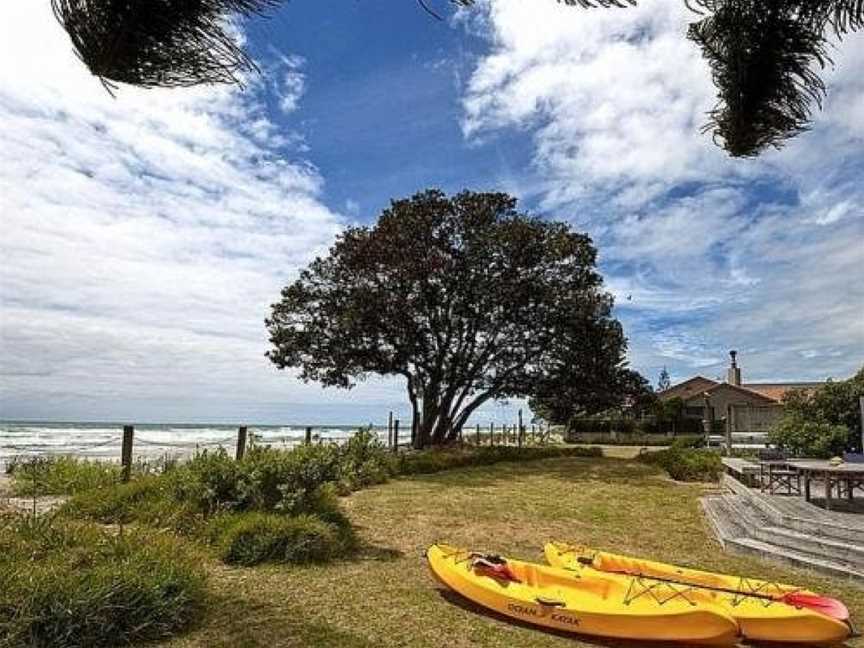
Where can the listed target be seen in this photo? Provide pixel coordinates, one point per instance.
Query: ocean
(103, 440)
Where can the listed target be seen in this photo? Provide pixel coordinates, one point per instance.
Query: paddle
(823, 604)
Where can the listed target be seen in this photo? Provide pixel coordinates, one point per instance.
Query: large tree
(464, 297)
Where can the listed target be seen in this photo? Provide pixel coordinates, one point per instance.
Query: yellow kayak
(765, 611)
(597, 604)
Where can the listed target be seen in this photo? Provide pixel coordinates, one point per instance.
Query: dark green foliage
(632, 427)
(822, 422)
(365, 461)
(433, 461)
(255, 538)
(762, 56)
(802, 438)
(464, 297)
(643, 440)
(164, 43)
(686, 464)
(663, 381)
(71, 584)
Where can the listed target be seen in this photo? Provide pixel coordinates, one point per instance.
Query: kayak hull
(553, 598)
(758, 618)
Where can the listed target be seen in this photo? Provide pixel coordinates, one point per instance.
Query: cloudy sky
(144, 236)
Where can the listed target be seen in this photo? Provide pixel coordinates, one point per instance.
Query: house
(742, 409)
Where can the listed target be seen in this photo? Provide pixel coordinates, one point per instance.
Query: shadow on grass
(468, 605)
(237, 622)
(571, 469)
(368, 552)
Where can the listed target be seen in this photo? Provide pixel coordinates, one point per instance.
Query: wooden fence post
(478, 435)
(308, 436)
(396, 435)
(492, 434)
(241, 443)
(521, 431)
(533, 433)
(126, 451)
(390, 429)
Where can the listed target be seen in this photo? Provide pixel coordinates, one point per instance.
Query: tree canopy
(833, 405)
(465, 298)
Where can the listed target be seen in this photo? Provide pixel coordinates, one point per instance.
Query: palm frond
(163, 43)
(585, 4)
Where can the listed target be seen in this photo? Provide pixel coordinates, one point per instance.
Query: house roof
(776, 391)
(687, 389)
(743, 390)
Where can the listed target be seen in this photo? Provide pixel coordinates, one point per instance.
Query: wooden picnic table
(850, 474)
(779, 474)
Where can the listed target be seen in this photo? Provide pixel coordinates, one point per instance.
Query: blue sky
(145, 236)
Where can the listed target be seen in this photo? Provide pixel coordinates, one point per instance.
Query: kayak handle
(550, 602)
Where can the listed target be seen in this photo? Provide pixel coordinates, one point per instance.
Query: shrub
(685, 464)
(364, 461)
(289, 482)
(70, 584)
(150, 500)
(431, 461)
(60, 475)
(689, 441)
(803, 438)
(254, 538)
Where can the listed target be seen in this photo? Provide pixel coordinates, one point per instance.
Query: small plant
(33, 476)
(364, 461)
(255, 538)
(686, 464)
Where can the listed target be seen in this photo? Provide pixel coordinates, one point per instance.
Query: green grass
(60, 475)
(64, 583)
(384, 596)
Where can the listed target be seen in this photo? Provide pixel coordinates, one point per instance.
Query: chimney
(733, 375)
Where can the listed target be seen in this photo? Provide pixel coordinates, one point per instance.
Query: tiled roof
(743, 390)
(776, 391)
(688, 388)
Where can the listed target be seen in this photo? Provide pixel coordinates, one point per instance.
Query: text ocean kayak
(598, 605)
(765, 611)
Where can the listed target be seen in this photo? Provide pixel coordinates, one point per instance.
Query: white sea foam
(104, 441)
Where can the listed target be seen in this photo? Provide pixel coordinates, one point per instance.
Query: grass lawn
(386, 597)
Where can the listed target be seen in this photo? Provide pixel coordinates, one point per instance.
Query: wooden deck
(788, 529)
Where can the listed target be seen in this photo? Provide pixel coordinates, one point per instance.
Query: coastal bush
(686, 464)
(149, 500)
(364, 461)
(254, 538)
(59, 475)
(803, 438)
(431, 461)
(66, 583)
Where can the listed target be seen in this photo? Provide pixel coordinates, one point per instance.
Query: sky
(143, 236)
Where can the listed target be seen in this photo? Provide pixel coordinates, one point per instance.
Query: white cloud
(144, 236)
(291, 82)
(704, 253)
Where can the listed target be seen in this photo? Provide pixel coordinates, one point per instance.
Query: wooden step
(834, 550)
(784, 555)
(817, 523)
